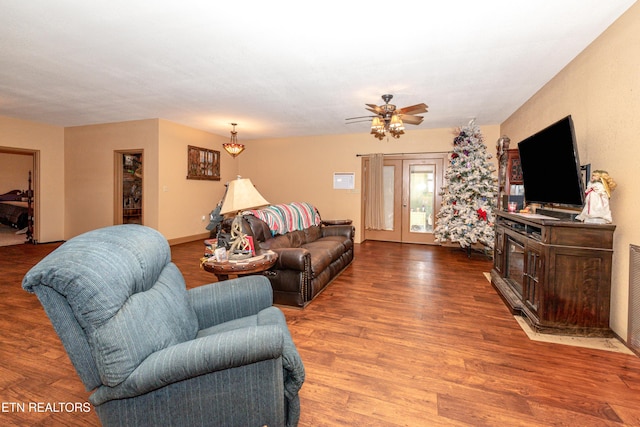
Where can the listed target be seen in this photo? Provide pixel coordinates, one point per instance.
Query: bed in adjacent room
(16, 210)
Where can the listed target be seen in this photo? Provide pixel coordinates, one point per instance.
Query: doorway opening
(128, 187)
(19, 196)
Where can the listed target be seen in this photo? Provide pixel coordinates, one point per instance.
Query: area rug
(8, 236)
(607, 344)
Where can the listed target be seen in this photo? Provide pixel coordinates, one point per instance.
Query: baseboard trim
(188, 239)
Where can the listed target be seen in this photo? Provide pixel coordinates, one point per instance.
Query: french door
(411, 188)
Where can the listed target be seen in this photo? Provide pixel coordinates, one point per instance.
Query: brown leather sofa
(308, 260)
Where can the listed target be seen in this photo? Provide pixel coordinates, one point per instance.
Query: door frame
(394, 235)
(407, 235)
(35, 185)
(400, 160)
(118, 209)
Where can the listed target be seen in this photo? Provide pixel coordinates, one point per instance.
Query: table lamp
(241, 194)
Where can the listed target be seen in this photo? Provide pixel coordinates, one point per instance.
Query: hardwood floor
(408, 335)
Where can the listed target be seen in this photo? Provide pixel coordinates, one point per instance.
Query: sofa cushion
(345, 241)
(278, 242)
(323, 252)
(256, 228)
(312, 233)
(296, 238)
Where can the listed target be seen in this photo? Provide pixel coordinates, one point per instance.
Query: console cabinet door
(578, 287)
(498, 250)
(533, 280)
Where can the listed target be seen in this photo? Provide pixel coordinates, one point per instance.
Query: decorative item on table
(221, 255)
(241, 194)
(215, 218)
(210, 246)
(596, 205)
(252, 247)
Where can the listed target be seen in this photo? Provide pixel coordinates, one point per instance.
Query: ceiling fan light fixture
(377, 124)
(396, 123)
(396, 133)
(378, 128)
(380, 134)
(233, 147)
(388, 119)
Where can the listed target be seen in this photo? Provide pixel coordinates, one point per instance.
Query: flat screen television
(551, 167)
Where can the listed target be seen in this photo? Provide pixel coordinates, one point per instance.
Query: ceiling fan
(388, 119)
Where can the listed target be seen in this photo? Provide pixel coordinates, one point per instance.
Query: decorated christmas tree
(469, 195)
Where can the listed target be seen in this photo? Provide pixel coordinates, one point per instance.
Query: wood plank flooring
(408, 335)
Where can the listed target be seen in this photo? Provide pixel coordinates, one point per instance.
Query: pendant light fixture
(233, 147)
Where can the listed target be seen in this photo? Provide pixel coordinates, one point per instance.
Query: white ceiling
(284, 67)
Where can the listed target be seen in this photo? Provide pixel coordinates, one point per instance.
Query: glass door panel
(421, 198)
(422, 181)
(514, 269)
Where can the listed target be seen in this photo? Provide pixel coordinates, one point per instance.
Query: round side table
(254, 265)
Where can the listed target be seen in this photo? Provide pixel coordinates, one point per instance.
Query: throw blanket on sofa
(284, 218)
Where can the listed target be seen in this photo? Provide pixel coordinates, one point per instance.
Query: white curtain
(374, 213)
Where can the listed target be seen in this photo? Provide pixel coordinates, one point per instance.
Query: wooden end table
(257, 264)
(336, 222)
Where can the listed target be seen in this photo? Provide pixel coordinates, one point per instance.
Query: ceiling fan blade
(361, 117)
(358, 121)
(414, 109)
(411, 120)
(374, 108)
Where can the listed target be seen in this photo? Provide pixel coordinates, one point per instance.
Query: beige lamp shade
(241, 194)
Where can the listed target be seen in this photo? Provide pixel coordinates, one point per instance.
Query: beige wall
(14, 171)
(600, 90)
(301, 168)
(183, 202)
(48, 141)
(89, 172)
(172, 204)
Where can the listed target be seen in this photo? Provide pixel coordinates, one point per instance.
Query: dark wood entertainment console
(555, 272)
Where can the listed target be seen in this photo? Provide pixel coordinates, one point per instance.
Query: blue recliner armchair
(155, 353)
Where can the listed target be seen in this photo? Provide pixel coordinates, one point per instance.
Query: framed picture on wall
(203, 163)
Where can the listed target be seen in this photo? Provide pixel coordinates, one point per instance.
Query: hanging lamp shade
(233, 147)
